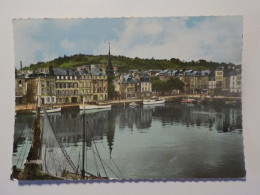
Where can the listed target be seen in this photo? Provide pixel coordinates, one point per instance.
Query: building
(128, 85)
(47, 89)
(32, 88)
(235, 81)
(99, 85)
(67, 86)
(186, 78)
(20, 90)
(144, 85)
(212, 83)
(85, 85)
(219, 78)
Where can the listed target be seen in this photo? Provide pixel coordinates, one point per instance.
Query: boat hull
(151, 102)
(188, 101)
(94, 107)
(49, 110)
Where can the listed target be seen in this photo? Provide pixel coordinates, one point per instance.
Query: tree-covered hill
(125, 63)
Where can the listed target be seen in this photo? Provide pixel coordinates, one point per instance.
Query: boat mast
(31, 166)
(84, 142)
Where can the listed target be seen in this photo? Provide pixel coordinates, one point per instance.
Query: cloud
(187, 38)
(213, 38)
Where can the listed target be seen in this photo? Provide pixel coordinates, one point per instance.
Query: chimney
(21, 65)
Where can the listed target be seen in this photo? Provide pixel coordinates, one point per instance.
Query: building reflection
(101, 125)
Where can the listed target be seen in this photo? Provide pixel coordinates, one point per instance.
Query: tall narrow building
(109, 68)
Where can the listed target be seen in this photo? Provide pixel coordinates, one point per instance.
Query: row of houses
(59, 85)
(223, 80)
(133, 85)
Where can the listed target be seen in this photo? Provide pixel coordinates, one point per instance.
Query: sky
(213, 38)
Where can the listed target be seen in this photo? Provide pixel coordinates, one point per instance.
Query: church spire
(109, 68)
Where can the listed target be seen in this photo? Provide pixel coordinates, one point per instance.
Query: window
(42, 91)
(75, 85)
(62, 77)
(82, 91)
(82, 84)
(58, 92)
(75, 92)
(48, 83)
(42, 83)
(58, 77)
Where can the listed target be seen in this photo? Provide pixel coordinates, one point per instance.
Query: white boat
(154, 101)
(49, 110)
(133, 104)
(94, 111)
(92, 107)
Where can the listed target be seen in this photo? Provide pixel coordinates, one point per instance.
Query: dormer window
(58, 77)
(62, 77)
(71, 77)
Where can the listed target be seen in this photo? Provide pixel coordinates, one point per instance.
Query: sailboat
(47, 159)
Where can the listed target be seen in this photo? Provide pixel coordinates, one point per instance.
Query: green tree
(175, 83)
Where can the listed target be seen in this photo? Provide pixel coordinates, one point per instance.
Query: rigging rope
(108, 166)
(113, 161)
(98, 154)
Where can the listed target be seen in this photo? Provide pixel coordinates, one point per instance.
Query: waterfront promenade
(175, 97)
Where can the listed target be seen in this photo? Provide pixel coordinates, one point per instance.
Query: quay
(26, 108)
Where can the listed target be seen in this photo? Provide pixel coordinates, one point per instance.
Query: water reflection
(68, 124)
(170, 129)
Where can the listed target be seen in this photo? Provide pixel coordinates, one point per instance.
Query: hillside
(126, 63)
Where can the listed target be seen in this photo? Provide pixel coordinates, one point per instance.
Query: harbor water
(168, 141)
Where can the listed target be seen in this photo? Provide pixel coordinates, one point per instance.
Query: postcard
(118, 99)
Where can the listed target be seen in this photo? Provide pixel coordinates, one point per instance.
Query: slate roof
(63, 72)
(128, 79)
(144, 77)
(188, 72)
(163, 72)
(205, 73)
(82, 72)
(97, 72)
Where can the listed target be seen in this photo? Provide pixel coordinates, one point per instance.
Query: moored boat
(188, 100)
(94, 106)
(154, 101)
(49, 110)
(133, 104)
